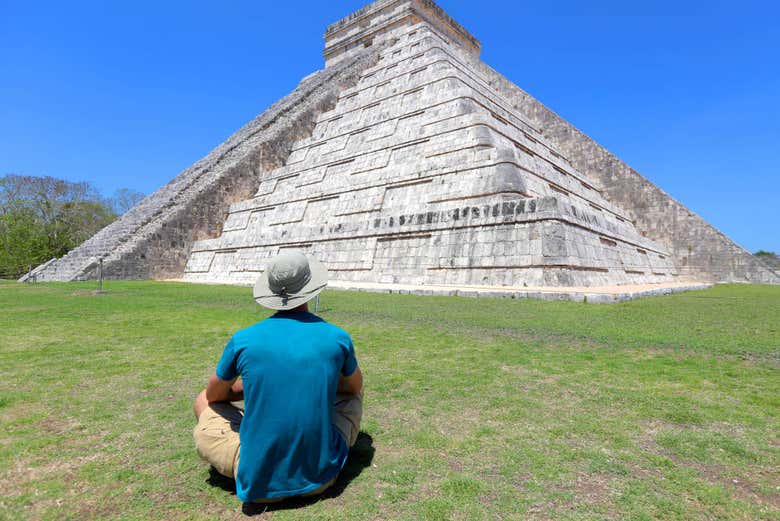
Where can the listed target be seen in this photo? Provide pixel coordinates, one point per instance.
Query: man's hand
(352, 384)
(218, 390)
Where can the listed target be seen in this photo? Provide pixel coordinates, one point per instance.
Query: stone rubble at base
(407, 161)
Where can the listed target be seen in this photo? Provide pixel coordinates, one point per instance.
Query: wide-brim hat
(289, 280)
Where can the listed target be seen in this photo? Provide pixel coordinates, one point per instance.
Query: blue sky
(128, 94)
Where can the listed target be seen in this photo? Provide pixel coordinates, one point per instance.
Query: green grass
(662, 408)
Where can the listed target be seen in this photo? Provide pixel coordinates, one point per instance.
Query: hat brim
(265, 297)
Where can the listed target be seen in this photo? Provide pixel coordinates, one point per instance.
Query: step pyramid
(407, 160)
(424, 174)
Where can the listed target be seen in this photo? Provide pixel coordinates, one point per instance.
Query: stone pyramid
(409, 161)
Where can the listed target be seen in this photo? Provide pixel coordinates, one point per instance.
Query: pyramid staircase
(424, 174)
(409, 161)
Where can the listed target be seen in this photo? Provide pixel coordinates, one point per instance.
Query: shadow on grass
(360, 456)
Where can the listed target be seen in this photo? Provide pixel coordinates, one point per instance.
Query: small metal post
(100, 276)
(316, 303)
(29, 274)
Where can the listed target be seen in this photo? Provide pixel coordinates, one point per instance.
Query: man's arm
(218, 390)
(352, 384)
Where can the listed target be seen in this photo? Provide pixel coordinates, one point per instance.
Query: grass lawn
(662, 408)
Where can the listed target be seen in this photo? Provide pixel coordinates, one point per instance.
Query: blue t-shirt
(290, 365)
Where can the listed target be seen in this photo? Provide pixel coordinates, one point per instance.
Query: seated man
(302, 391)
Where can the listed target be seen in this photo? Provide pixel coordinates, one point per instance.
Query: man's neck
(303, 308)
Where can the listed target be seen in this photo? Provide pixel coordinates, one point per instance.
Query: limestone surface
(409, 161)
(153, 239)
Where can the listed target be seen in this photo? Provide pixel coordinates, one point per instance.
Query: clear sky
(128, 94)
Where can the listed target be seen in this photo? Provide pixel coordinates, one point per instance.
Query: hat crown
(288, 273)
(289, 280)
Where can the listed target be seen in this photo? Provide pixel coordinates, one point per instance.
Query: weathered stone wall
(153, 240)
(422, 174)
(383, 18)
(406, 123)
(700, 251)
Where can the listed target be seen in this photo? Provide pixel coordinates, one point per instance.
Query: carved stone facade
(409, 161)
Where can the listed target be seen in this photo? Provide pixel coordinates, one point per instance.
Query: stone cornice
(364, 25)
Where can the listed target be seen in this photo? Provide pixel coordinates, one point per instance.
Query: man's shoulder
(247, 333)
(333, 329)
(340, 335)
(326, 330)
(268, 325)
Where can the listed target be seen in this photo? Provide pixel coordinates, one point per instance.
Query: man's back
(290, 366)
(302, 391)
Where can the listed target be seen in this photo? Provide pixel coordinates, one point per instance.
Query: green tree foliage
(45, 217)
(769, 258)
(21, 242)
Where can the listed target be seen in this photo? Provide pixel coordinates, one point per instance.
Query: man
(302, 391)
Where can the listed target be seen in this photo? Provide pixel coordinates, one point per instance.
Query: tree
(769, 258)
(124, 199)
(22, 244)
(45, 217)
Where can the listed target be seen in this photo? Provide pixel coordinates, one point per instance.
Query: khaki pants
(217, 440)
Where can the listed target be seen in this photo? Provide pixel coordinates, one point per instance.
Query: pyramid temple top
(382, 18)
